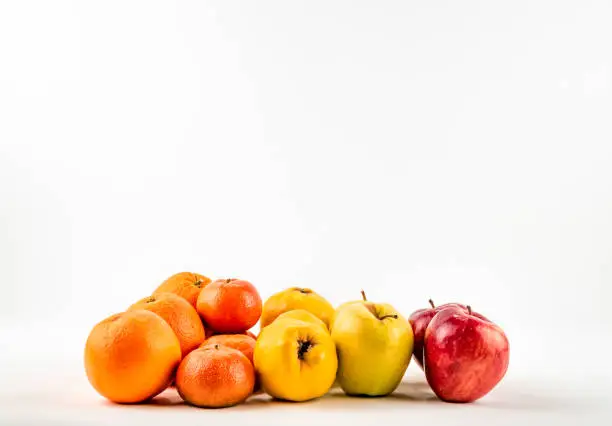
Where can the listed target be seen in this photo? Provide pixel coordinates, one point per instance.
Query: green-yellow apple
(374, 344)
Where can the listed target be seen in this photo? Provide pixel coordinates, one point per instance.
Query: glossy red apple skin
(419, 320)
(465, 355)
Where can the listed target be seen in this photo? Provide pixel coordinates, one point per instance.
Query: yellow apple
(374, 344)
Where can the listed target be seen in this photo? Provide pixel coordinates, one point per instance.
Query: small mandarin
(215, 376)
(241, 342)
(229, 305)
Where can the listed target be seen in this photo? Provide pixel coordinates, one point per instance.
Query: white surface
(515, 402)
(43, 382)
(453, 150)
(54, 391)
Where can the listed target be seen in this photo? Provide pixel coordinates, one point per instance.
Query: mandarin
(229, 306)
(241, 342)
(215, 376)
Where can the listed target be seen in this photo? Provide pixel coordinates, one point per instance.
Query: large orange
(179, 314)
(215, 376)
(185, 284)
(132, 356)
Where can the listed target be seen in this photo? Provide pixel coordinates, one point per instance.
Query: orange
(210, 333)
(229, 306)
(215, 376)
(241, 342)
(184, 284)
(131, 357)
(179, 314)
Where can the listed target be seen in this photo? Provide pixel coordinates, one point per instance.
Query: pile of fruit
(192, 334)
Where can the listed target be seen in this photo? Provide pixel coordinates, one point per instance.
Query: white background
(455, 150)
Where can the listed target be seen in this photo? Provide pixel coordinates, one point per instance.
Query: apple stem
(394, 316)
(469, 308)
(217, 346)
(432, 304)
(364, 296)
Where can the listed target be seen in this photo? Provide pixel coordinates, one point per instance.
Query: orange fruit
(179, 314)
(185, 284)
(210, 333)
(230, 305)
(131, 357)
(241, 342)
(215, 376)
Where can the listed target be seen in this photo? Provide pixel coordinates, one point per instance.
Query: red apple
(465, 355)
(419, 320)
